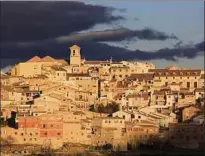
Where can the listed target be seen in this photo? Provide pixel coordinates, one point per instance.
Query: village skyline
(122, 30)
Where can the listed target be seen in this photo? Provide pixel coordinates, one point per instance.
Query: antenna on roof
(111, 59)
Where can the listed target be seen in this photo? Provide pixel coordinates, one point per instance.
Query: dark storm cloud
(31, 21)
(117, 35)
(150, 34)
(23, 21)
(101, 51)
(121, 34)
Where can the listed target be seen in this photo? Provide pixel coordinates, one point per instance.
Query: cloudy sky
(165, 33)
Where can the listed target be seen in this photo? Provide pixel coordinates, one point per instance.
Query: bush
(107, 146)
(109, 109)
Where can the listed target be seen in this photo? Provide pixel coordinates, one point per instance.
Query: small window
(187, 138)
(172, 137)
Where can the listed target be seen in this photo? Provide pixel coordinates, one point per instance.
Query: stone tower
(75, 57)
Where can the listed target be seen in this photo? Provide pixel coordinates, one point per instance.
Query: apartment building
(187, 78)
(186, 135)
(141, 132)
(109, 130)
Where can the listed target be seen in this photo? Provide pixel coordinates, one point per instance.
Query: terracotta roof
(131, 96)
(122, 84)
(165, 89)
(57, 68)
(199, 90)
(113, 62)
(78, 113)
(125, 67)
(141, 77)
(78, 75)
(96, 62)
(109, 128)
(157, 92)
(62, 61)
(113, 80)
(119, 95)
(48, 59)
(41, 76)
(167, 73)
(74, 47)
(188, 93)
(35, 59)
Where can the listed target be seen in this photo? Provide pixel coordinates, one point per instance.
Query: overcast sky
(164, 33)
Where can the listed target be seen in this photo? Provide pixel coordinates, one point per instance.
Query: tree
(8, 141)
(92, 108)
(107, 146)
(198, 102)
(109, 108)
(47, 150)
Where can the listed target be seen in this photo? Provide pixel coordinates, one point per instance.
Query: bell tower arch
(75, 57)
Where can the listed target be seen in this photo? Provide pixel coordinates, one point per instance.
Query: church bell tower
(75, 57)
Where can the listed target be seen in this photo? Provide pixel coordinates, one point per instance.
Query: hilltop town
(103, 104)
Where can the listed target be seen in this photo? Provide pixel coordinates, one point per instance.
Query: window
(195, 84)
(44, 125)
(59, 133)
(45, 133)
(21, 134)
(24, 139)
(188, 84)
(172, 137)
(132, 116)
(16, 133)
(187, 138)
